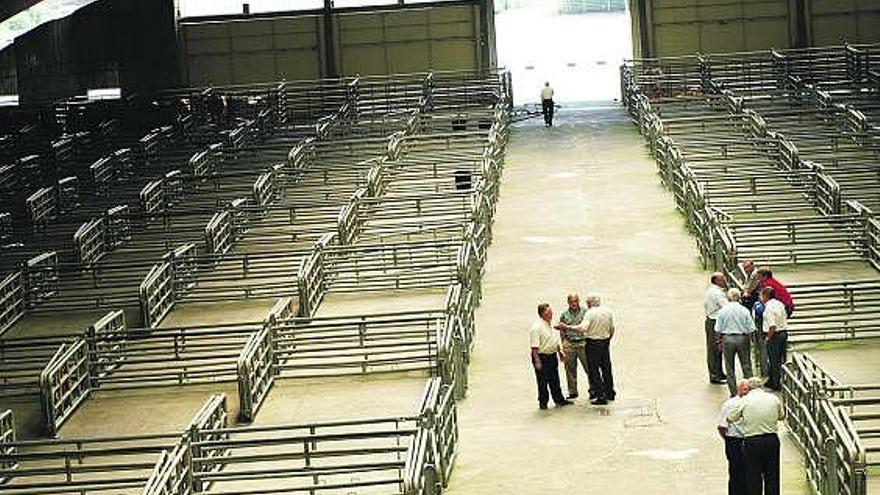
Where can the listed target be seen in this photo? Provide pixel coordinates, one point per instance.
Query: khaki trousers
(574, 352)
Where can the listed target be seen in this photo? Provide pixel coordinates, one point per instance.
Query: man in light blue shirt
(734, 326)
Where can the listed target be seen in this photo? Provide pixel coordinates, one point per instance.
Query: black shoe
(572, 396)
(564, 403)
(718, 381)
(542, 406)
(598, 402)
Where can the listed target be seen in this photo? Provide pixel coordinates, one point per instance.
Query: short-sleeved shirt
(573, 319)
(547, 93)
(758, 413)
(544, 337)
(715, 300)
(734, 319)
(598, 323)
(775, 316)
(728, 407)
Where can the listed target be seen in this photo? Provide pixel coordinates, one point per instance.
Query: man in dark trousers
(546, 344)
(733, 442)
(758, 414)
(547, 104)
(598, 326)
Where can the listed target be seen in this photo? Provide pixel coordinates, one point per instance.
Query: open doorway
(576, 45)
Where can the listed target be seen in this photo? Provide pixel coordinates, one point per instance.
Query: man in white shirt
(547, 104)
(758, 414)
(733, 442)
(546, 344)
(776, 327)
(716, 298)
(598, 327)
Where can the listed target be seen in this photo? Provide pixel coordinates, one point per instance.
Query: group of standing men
(581, 335)
(734, 319)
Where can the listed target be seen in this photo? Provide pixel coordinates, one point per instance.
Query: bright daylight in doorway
(578, 53)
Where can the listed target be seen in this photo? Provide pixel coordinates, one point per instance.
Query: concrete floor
(582, 209)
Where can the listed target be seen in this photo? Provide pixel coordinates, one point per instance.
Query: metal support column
(330, 55)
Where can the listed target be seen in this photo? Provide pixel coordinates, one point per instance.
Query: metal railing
(821, 421)
(65, 383)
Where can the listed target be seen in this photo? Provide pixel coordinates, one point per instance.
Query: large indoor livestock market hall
(413, 247)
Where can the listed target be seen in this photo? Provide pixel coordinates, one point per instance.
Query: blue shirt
(734, 319)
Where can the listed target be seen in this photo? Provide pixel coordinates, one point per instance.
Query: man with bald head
(716, 298)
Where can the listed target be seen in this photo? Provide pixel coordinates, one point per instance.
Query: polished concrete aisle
(582, 209)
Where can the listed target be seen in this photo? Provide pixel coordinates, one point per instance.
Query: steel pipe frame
(820, 414)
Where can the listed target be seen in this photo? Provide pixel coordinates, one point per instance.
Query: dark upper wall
(677, 27)
(130, 44)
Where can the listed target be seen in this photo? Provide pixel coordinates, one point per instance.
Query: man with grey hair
(573, 344)
(734, 327)
(757, 416)
(733, 441)
(598, 326)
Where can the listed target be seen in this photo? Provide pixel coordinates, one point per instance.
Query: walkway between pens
(582, 210)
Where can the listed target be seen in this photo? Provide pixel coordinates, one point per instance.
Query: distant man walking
(733, 442)
(598, 326)
(759, 413)
(716, 298)
(546, 344)
(574, 345)
(547, 104)
(734, 326)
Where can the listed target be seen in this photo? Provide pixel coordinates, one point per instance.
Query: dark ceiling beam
(9, 8)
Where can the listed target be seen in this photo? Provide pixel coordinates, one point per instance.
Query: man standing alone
(546, 344)
(547, 104)
(716, 298)
(573, 345)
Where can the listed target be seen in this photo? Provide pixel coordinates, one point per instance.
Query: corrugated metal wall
(833, 22)
(292, 46)
(259, 50)
(440, 38)
(676, 27)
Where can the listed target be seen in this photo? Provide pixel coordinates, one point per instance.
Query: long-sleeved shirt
(715, 300)
(781, 292)
(734, 319)
(759, 412)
